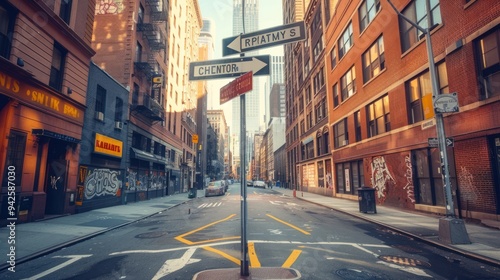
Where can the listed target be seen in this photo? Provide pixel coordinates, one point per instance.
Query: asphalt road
(205, 233)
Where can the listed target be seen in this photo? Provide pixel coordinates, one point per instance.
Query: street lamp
(451, 229)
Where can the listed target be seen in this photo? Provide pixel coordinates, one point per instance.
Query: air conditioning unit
(99, 116)
(118, 125)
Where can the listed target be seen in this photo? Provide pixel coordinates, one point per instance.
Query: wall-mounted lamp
(20, 62)
(70, 91)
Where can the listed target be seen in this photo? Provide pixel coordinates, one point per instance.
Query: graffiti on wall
(410, 194)
(109, 7)
(157, 181)
(100, 182)
(380, 176)
(137, 181)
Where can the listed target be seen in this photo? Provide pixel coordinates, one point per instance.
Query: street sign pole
(244, 242)
(451, 229)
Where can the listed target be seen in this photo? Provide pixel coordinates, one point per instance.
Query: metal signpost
(229, 67)
(264, 38)
(451, 229)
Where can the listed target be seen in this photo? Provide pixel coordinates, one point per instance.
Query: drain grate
(404, 261)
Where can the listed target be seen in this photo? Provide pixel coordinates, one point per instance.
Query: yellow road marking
(290, 225)
(292, 258)
(187, 242)
(254, 260)
(227, 256)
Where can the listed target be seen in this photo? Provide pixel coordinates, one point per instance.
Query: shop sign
(39, 97)
(108, 146)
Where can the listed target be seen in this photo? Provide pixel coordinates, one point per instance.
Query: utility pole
(451, 229)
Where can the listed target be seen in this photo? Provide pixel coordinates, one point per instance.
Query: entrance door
(55, 182)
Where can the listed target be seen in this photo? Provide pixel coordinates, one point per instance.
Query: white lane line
(72, 259)
(175, 264)
(254, 241)
(203, 205)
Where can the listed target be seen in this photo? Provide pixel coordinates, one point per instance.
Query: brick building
(45, 55)
(380, 111)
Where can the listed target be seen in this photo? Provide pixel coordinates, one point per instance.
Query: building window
(489, 64)
(138, 53)
(426, 13)
(309, 120)
(320, 110)
(326, 140)
(57, 67)
(316, 23)
(345, 42)
(348, 84)
(65, 11)
(308, 94)
(318, 48)
(319, 81)
(378, 116)
(373, 60)
(333, 58)
(100, 101)
(335, 90)
(350, 177)
(357, 126)
(421, 86)
(135, 95)
(310, 150)
(15, 157)
(428, 176)
(118, 110)
(340, 134)
(367, 12)
(7, 17)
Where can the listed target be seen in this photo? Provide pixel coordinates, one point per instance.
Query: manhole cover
(155, 234)
(356, 274)
(404, 261)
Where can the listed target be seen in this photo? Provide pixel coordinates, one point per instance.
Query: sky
(221, 12)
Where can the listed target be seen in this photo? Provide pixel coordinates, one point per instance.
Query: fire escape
(152, 33)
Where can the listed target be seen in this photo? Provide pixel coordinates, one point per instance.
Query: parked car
(259, 184)
(249, 183)
(215, 188)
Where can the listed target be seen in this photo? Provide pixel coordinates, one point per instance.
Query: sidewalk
(38, 238)
(485, 241)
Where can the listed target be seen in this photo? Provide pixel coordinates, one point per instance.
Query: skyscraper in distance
(252, 99)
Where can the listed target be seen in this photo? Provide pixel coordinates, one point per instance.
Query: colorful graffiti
(113, 7)
(380, 176)
(100, 182)
(137, 181)
(410, 194)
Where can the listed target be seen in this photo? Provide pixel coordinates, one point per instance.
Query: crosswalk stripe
(212, 204)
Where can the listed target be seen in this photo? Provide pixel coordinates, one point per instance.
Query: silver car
(215, 188)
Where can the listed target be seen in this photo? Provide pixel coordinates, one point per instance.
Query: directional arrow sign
(264, 38)
(227, 68)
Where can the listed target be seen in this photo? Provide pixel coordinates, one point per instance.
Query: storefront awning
(55, 135)
(138, 154)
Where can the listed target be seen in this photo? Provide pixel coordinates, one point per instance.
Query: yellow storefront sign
(39, 97)
(107, 145)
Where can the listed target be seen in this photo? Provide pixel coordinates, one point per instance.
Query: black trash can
(367, 202)
(192, 193)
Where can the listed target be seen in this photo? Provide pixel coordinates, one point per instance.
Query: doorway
(55, 182)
